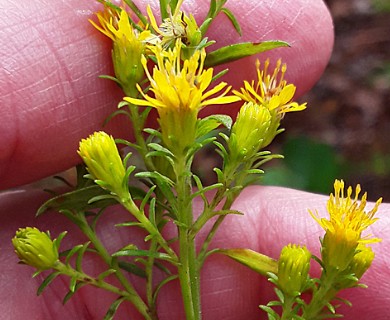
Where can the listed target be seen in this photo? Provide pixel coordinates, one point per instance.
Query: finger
(50, 94)
(273, 217)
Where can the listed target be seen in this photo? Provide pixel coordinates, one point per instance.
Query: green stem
(321, 297)
(233, 177)
(99, 247)
(287, 306)
(82, 277)
(227, 205)
(188, 269)
(138, 126)
(130, 206)
(149, 279)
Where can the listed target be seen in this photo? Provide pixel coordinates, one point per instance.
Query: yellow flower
(180, 91)
(128, 46)
(293, 269)
(35, 248)
(101, 156)
(343, 230)
(271, 91)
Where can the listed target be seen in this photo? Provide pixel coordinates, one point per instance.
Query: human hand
(51, 97)
(70, 103)
(273, 218)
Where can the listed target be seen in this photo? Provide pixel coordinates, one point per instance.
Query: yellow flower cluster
(179, 92)
(343, 230)
(271, 90)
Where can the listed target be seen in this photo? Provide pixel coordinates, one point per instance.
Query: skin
(50, 98)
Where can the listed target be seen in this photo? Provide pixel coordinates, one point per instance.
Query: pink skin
(50, 95)
(45, 57)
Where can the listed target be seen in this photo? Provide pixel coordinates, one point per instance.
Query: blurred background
(345, 131)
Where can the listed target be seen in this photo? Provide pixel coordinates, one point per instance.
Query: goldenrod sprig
(345, 256)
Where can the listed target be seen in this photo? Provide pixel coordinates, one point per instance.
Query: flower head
(271, 90)
(128, 46)
(180, 91)
(343, 231)
(293, 269)
(101, 156)
(35, 248)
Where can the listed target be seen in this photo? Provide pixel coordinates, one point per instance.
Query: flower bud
(101, 156)
(293, 269)
(250, 131)
(359, 264)
(362, 260)
(338, 248)
(35, 248)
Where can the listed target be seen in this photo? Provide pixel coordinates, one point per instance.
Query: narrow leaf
(113, 309)
(141, 253)
(240, 50)
(46, 282)
(77, 200)
(232, 19)
(132, 268)
(161, 284)
(72, 292)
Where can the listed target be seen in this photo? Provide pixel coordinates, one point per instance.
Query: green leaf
(160, 148)
(113, 308)
(212, 122)
(105, 274)
(72, 292)
(272, 315)
(72, 284)
(252, 259)
(141, 253)
(164, 183)
(77, 200)
(103, 76)
(232, 19)
(240, 50)
(132, 268)
(80, 255)
(215, 7)
(47, 281)
(57, 242)
(161, 284)
(72, 252)
(129, 224)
